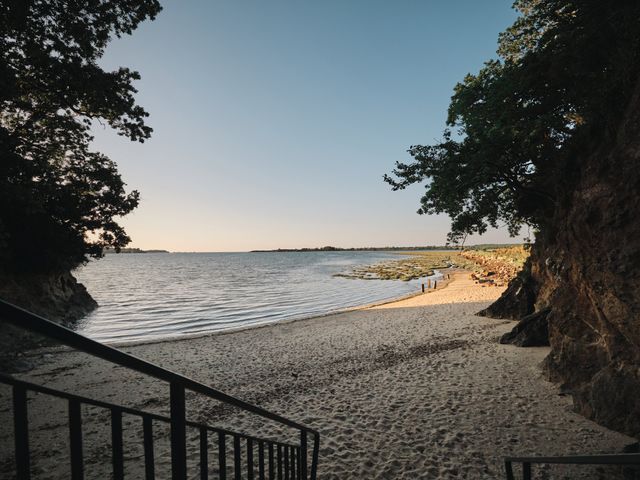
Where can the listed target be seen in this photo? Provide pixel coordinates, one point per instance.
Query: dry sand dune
(413, 389)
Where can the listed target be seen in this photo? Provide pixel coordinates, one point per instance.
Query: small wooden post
(423, 288)
(429, 283)
(435, 284)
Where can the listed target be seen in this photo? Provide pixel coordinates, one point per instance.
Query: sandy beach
(415, 389)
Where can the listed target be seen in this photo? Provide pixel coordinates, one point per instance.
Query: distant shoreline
(387, 249)
(356, 249)
(110, 251)
(425, 248)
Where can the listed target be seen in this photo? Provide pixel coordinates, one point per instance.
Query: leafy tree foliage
(565, 73)
(59, 201)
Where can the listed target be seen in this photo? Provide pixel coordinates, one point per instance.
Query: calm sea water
(153, 296)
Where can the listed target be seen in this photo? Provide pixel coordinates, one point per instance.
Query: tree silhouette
(59, 201)
(566, 71)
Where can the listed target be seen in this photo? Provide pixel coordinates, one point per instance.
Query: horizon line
(319, 249)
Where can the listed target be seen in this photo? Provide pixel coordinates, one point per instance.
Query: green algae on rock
(411, 266)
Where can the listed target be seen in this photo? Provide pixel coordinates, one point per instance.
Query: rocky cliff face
(57, 296)
(586, 272)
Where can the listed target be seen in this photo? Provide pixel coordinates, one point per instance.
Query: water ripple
(153, 296)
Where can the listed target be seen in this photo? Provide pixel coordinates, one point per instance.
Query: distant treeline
(493, 246)
(133, 250)
(388, 249)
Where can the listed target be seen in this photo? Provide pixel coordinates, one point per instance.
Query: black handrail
(29, 321)
(8, 380)
(295, 456)
(603, 459)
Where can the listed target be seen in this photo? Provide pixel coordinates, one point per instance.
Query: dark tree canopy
(59, 201)
(566, 71)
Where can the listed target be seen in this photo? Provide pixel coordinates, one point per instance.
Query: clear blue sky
(274, 121)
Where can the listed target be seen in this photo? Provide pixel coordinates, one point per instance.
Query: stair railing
(281, 460)
(610, 459)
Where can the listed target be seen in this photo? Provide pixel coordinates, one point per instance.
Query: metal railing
(527, 462)
(276, 460)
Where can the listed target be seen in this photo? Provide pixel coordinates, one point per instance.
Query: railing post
(285, 461)
(249, 459)
(303, 454)
(316, 454)
(237, 458)
(116, 444)
(261, 461)
(178, 433)
(149, 459)
(21, 432)
(526, 471)
(222, 456)
(75, 440)
(509, 469)
(292, 459)
(272, 462)
(204, 454)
